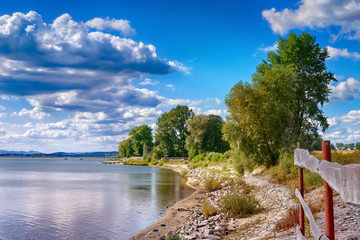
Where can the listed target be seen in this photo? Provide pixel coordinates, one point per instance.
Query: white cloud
(332, 122)
(148, 81)
(218, 101)
(34, 113)
(344, 135)
(213, 111)
(318, 14)
(120, 25)
(345, 91)
(2, 108)
(353, 117)
(337, 52)
(268, 48)
(67, 57)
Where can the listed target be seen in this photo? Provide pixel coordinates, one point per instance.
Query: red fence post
(328, 196)
(301, 189)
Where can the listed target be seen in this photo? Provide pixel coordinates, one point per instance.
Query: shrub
(212, 184)
(291, 219)
(172, 236)
(199, 157)
(214, 156)
(241, 162)
(208, 209)
(132, 161)
(239, 205)
(312, 180)
(183, 172)
(227, 154)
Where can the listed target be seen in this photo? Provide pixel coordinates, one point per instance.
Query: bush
(212, 184)
(132, 161)
(199, 157)
(239, 205)
(214, 156)
(172, 236)
(312, 180)
(291, 219)
(208, 209)
(241, 162)
(157, 153)
(227, 154)
(183, 172)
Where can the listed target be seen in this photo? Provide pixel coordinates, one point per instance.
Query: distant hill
(19, 152)
(57, 154)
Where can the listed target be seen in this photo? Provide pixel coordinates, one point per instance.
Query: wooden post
(328, 196)
(301, 189)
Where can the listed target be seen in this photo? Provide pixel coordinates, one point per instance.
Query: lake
(53, 198)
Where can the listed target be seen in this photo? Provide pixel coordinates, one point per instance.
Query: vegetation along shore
(243, 168)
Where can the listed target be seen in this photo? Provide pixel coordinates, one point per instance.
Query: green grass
(138, 162)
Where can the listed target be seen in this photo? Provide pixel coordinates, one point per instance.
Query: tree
(357, 145)
(282, 105)
(259, 115)
(311, 86)
(125, 148)
(340, 146)
(205, 135)
(172, 130)
(141, 138)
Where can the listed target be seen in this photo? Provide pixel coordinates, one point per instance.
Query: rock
(218, 228)
(155, 230)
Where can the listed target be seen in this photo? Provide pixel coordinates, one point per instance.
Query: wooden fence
(344, 179)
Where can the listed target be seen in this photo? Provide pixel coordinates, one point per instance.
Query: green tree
(205, 135)
(141, 138)
(282, 105)
(172, 130)
(340, 146)
(311, 86)
(125, 148)
(357, 145)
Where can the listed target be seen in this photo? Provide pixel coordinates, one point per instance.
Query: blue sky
(78, 75)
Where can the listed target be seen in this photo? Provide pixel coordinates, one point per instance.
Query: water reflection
(52, 199)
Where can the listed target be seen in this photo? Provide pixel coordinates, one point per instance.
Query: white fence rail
(344, 179)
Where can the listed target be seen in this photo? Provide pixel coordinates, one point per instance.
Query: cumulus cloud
(344, 135)
(353, 117)
(213, 111)
(34, 113)
(318, 14)
(148, 81)
(332, 122)
(335, 53)
(66, 55)
(345, 91)
(120, 25)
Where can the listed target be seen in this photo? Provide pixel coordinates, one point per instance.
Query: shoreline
(176, 215)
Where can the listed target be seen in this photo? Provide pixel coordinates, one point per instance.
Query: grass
(291, 218)
(138, 162)
(341, 156)
(239, 205)
(208, 209)
(211, 183)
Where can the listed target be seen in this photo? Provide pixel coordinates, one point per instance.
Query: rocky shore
(186, 220)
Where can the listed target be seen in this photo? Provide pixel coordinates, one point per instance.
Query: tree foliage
(172, 130)
(205, 135)
(281, 105)
(140, 141)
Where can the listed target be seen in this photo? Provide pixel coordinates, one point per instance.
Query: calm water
(73, 199)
